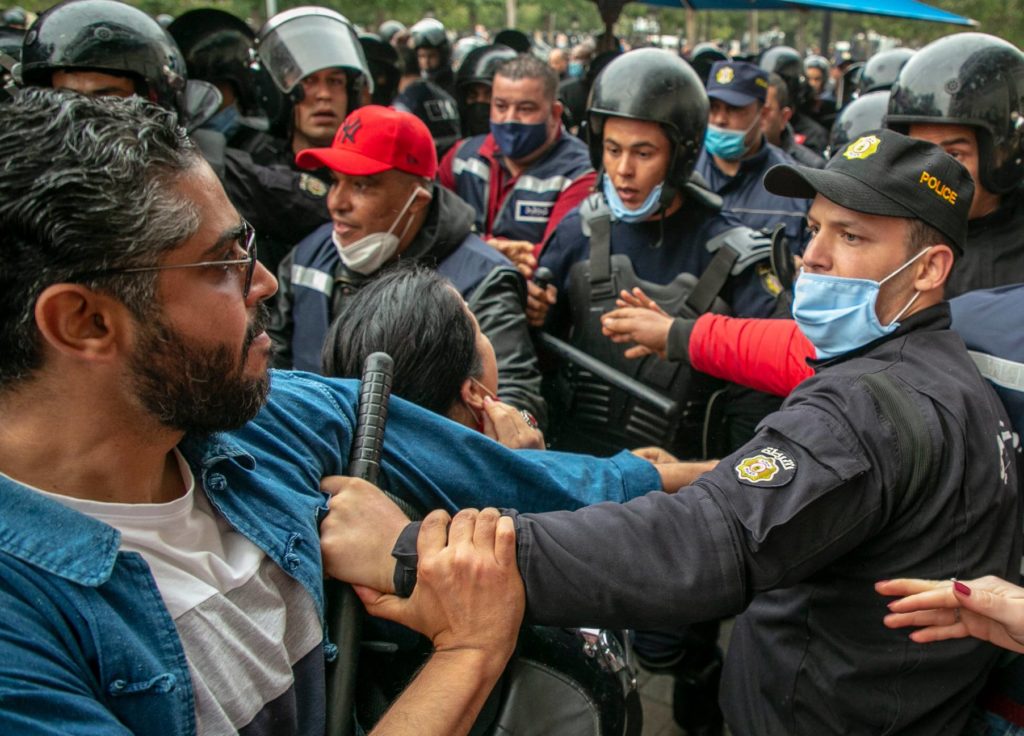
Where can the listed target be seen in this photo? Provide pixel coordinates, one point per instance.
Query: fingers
(908, 586)
(461, 529)
(506, 424)
(484, 531)
(538, 301)
(637, 351)
(505, 542)
(433, 532)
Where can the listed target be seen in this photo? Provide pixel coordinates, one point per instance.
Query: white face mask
(372, 251)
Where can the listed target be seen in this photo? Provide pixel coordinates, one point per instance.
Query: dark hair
(920, 235)
(528, 66)
(777, 83)
(86, 185)
(415, 315)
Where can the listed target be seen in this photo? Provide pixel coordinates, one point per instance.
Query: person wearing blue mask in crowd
(893, 461)
(736, 154)
(523, 176)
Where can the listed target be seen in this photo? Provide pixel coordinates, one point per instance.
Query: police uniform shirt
(746, 199)
(793, 530)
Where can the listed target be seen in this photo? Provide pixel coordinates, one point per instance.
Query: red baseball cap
(374, 139)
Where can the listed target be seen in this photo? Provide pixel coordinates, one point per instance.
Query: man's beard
(194, 388)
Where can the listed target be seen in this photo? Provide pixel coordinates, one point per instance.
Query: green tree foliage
(1004, 18)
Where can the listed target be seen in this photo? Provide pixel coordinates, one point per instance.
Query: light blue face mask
(619, 209)
(575, 69)
(838, 314)
(226, 121)
(727, 144)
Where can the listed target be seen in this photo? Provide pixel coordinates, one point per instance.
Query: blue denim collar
(48, 535)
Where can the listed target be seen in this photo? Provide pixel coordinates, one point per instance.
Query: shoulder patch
(312, 185)
(769, 280)
(768, 468)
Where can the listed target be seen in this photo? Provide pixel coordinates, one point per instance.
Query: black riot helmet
(657, 86)
(385, 67)
(865, 113)
(481, 63)
(106, 36)
(463, 47)
(302, 41)
(788, 64)
(429, 33)
(478, 67)
(969, 79)
(703, 57)
(880, 71)
(515, 40)
(220, 48)
(816, 61)
(389, 29)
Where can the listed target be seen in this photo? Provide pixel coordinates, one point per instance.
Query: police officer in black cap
(892, 461)
(965, 92)
(737, 155)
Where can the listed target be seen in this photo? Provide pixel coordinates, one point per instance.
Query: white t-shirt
(248, 629)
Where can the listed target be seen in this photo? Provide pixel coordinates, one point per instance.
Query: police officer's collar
(1010, 205)
(935, 317)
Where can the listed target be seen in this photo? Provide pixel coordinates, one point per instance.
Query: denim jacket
(86, 644)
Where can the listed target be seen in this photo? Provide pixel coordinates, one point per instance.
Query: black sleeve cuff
(678, 344)
(406, 559)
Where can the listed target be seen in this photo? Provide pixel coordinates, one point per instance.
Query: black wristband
(406, 560)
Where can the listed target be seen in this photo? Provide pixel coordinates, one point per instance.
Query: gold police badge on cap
(725, 75)
(769, 468)
(863, 147)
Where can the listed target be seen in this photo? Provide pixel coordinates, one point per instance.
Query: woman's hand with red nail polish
(988, 608)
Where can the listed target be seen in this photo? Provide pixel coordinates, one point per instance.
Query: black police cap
(886, 173)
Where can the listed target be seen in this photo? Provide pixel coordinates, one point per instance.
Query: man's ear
(472, 395)
(787, 115)
(935, 267)
(557, 108)
(422, 200)
(80, 323)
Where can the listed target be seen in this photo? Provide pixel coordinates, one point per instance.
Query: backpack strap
(911, 432)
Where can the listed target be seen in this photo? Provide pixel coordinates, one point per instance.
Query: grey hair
(86, 185)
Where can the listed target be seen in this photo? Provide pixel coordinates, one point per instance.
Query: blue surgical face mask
(838, 314)
(619, 209)
(519, 140)
(225, 122)
(729, 145)
(575, 69)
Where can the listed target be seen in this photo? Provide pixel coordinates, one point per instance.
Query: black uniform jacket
(994, 254)
(793, 530)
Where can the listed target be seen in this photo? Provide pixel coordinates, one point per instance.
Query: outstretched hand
(639, 320)
(989, 608)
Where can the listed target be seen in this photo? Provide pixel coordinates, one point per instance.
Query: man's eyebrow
(955, 141)
(632, 146)
(226, 237)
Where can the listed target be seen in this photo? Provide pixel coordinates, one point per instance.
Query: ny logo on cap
(725, 75)
(349, 130)
(862, 147)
